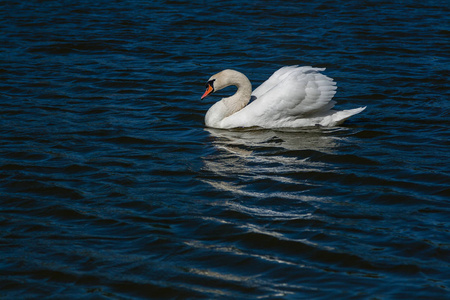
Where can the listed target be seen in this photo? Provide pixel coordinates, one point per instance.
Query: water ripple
(111, 187)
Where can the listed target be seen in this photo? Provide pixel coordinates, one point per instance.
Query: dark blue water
(111, 187)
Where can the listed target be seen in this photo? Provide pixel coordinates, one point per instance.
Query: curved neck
(242, 96)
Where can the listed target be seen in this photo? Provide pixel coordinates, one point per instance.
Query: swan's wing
(289, 94)
(273, 80)
(295, 91)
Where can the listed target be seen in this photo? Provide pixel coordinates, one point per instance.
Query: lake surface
(111, 187)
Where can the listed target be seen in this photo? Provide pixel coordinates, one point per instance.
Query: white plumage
(292, 97)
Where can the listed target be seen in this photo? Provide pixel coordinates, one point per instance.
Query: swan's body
(292, 97)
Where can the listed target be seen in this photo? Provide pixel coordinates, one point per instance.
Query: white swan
(292, 97)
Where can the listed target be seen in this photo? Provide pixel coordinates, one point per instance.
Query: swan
(292, 97)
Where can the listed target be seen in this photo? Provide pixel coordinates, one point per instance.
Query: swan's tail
(339, 117)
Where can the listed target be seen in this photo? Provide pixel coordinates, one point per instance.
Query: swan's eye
(210, 83)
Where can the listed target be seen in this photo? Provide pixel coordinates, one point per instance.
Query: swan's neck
(228, 106)
(242, 96)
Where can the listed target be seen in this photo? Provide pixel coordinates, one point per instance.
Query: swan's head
(223, 79)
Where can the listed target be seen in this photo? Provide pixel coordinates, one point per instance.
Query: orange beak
(209, 90)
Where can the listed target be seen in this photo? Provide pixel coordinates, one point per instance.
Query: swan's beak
(209, 90)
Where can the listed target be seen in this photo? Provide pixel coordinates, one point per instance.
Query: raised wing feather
(273, 80)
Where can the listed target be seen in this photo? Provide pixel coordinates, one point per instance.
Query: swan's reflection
(246, 159)
(316, 139)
